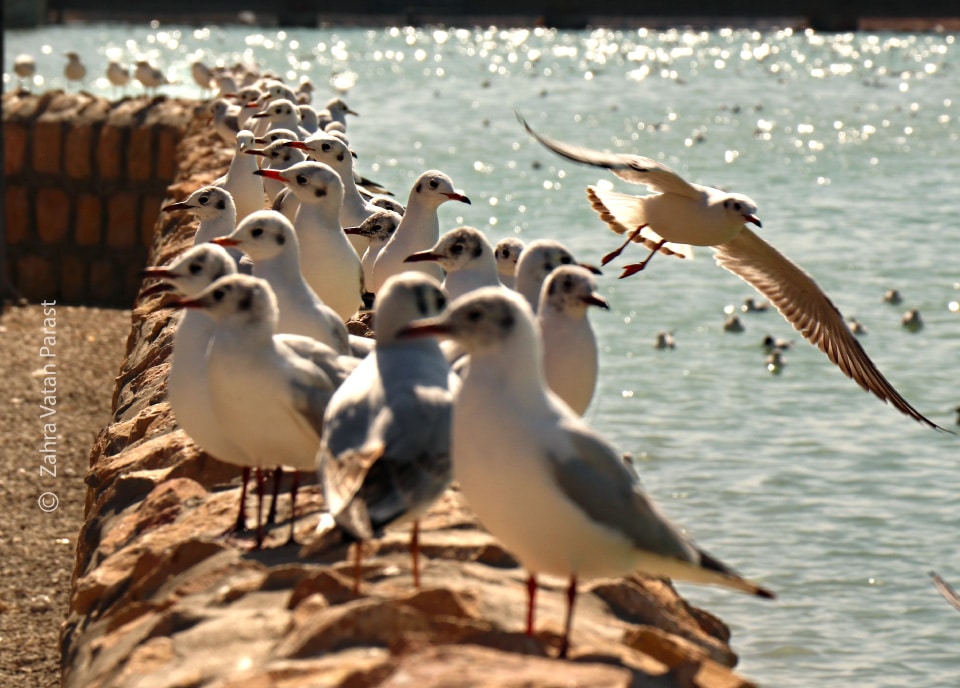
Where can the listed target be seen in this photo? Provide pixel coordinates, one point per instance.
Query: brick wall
(84, 182)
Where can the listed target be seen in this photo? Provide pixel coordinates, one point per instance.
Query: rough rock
(161, 599)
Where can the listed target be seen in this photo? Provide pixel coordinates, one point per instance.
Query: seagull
(333, 152)
(202, 76)
(466, 256)
(665, 340)
(385, 451)
(278, 157)
(686, 214)
(569, 343)
(911, 321)
(270, 398)
(282, 114)
(187, 389)
(24, 66)
(118, 75)
(388, 204)
(377, 230)
(74, 71)
(892, 296)
(149, 76)
(308, 118)
(538, 260)
(507, 252)
(329, 263)
(217, 212)
(544, 483)
(225, 122)
(240, 180)
(268, 238)
(419, 229)
(334, 111)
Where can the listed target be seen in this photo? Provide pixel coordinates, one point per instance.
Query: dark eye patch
(246, 303)
(221, 204)
(320, 193)
(281, 240)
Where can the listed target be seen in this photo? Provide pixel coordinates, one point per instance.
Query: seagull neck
(515, 373)
(221, 225)
(313, 216)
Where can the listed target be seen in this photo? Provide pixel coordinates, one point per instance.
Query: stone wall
(161, 599)
(84, 182)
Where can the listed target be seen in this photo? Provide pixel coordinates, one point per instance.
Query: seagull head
(378, 227)
(191, 272)
(262, 235)
(571, 289)
(456, 249)
(206, 203)
(742, 209)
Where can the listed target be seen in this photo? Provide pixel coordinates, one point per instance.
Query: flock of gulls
(483, 360)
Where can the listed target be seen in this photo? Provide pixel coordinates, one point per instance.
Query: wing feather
(623, 213)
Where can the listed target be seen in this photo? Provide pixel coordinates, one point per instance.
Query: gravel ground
(38, 538)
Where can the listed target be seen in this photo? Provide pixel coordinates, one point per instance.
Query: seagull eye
(566, 260)
(218, 295)
(325, 147)
(204, 200)
(476, 315)
(196, 267)
(434, 183)
(456, 249)
(301, 180)
(256, 233)
(737, 206)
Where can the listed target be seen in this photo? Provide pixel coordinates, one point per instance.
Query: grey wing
(594, 477)
(801, 301)
(630, 168)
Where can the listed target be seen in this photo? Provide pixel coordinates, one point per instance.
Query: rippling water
(848, 143)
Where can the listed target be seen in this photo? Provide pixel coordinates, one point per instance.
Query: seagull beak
(351, 112)
(297, 144)
(424, 328)
(158, 273)
(592, 268)
(181, 205)
(753, 219)
(271, 174)
(188, 303)
(226, 242)
(458, 197)
(255, 151)
(422, 257)
(595, 299)
(258, 115)
(353, 230)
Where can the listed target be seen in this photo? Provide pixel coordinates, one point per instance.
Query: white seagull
(24, 66)
(385, 451)
(278, 157)
(270, 398)
(328, 262)
(118, 75)
(544, 483)
(539, 259)
(507, 252)
(240, 180)
(684, 214)
(466, 256)
(269, 240)
(419, 229)
(377, 230)
(217, 212)
(570, 355)
(74, 71)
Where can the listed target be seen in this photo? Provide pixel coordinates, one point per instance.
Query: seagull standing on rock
(74, 71)
(683, 214)
(418, 230)
(545, 484)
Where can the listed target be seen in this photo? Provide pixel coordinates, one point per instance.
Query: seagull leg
(259, 543)
(240, 526)
(571, 598)
(634, 268)
(415, 552)
(357, 564)
(272, 514)
(293, 507)
(531, 597)
(613, 254)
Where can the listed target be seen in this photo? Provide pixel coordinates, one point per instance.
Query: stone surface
(161, 599)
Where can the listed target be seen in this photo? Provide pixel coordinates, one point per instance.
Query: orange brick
(37, 278)
(17, 214)
(140, 154)
(86, 228)
(46, 146)
(73, 279)
(122, 223)
(149, 212)
(78, 152)
(109, 157)
(167, 140)
(14, 148)
(53, 215)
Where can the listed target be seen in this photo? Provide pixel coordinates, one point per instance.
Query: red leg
(357, 561)
(272, 514)
(571, 598)
(634, 268)
(259, 508)
(613, 254)
(531, 598)
(241, 524)
(415, 552)
(294, 486)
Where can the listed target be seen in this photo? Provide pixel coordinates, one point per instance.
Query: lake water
(849, 145)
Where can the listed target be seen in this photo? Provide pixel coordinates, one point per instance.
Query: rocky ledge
(161, 599)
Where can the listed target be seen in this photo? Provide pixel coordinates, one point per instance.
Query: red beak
(226, 242)
(458, 197)
(180, 205)
(424, 329)
(296, 144)
(754, 219)
(271, 174)
(422, 256)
